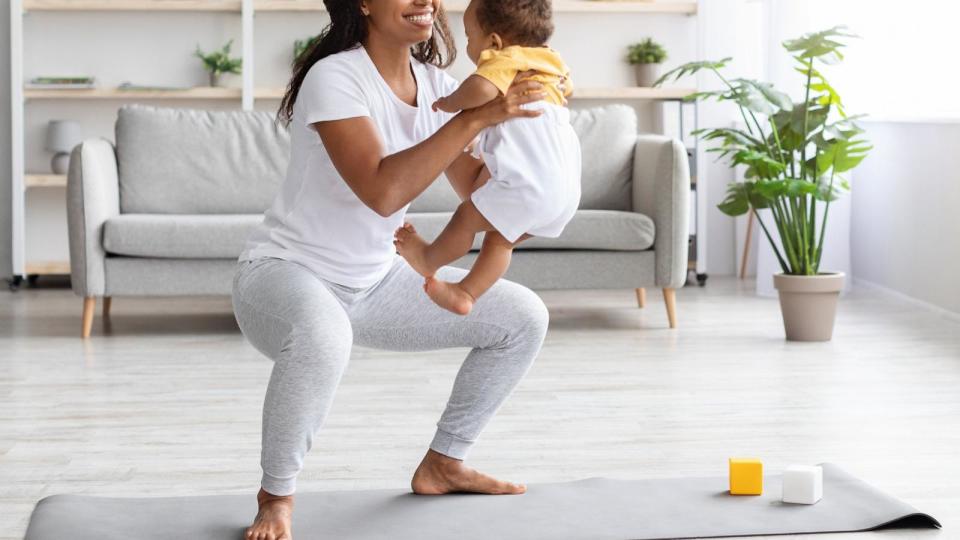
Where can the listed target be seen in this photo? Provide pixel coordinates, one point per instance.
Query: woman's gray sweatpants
(307, 326)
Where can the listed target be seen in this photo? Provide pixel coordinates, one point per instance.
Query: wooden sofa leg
(89, 305)
(642, 297)
(106, 306)
(670, 299)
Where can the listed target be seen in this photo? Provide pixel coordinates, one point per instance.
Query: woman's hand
(508, 106)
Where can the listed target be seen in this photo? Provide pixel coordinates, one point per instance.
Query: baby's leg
(454, 242)
(465, 189)
(491, 264)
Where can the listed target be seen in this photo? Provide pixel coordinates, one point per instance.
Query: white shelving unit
(247, 94)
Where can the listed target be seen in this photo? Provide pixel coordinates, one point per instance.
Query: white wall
(5, 223)
(906, 211)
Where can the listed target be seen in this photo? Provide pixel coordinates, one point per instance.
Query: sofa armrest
(661, 190)
(93, 196)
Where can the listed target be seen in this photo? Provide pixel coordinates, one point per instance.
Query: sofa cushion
(176, 161)
(211, 236)
(439, 197)
(223, 236)
(608, 136)
(608, 230)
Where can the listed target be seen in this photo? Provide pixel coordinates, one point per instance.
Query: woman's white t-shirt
(316, 220)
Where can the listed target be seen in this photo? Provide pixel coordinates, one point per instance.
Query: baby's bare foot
(449, 296)
(412, 247)
(273, 518)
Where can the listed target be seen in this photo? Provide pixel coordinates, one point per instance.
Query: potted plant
(646, 57)
(219, 62)
(795, 154)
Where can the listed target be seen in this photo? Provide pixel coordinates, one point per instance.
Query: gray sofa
(167, 209)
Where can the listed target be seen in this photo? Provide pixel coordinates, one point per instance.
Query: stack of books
(61, 83)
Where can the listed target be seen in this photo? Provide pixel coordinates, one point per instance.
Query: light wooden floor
(169, 402)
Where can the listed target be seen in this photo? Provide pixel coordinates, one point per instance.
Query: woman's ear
(495, 41)
(364, 9)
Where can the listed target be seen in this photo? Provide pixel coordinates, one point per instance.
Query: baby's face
(477, 39)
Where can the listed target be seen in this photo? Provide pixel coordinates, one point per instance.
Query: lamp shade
(62, 135)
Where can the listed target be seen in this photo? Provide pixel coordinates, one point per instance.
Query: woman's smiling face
(403, 21)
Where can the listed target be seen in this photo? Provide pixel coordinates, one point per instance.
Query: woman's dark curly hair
(347, 30)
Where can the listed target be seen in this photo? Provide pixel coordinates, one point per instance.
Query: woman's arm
(474, 92)
(388, 183)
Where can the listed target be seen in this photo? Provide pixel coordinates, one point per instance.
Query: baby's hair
(522, 22)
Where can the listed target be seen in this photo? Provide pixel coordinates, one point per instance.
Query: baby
(530, 182)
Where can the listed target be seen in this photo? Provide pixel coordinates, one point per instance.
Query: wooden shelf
(626, 93)
(682, 7)
(201, 92)
(632, 92)
(132, 5)
(47, 268)
(45, 180)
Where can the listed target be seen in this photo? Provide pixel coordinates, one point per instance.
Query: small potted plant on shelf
(795, 154)
(646, 58)
(219, 62)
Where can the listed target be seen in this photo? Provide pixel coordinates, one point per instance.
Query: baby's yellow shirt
(501, 66)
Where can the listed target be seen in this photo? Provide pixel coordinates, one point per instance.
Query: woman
(321, 273)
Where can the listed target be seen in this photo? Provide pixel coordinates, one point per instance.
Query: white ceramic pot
(647, 74)
(60, 163)
(809, 304)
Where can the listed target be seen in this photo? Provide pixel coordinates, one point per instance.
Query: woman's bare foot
(449, 296)
(412, 247)
(273, 518)
(439, 474)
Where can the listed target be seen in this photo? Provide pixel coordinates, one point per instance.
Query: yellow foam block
(746, 476)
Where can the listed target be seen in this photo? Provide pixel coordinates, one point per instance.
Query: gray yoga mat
(593, 509)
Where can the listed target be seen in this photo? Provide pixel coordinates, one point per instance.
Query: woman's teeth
(424, 19)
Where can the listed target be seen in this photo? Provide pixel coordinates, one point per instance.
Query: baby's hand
(441, 105)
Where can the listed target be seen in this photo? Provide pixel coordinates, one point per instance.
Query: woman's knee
(323, 344)
(529, 316)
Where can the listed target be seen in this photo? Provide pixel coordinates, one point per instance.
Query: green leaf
(820, 45)
(751, 99)
(740, 197)
(728, 136)
(772, 189)
(691, 68)
(842, 155)
(796, 187)
(775, 97)
(758, 163)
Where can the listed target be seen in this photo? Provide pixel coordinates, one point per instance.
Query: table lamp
(62, 136)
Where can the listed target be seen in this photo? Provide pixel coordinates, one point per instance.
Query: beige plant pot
(809, 304)
(647, 74)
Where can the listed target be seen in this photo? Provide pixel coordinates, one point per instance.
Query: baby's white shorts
(535, 173)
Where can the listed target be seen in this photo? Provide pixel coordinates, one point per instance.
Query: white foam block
(802, 484)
